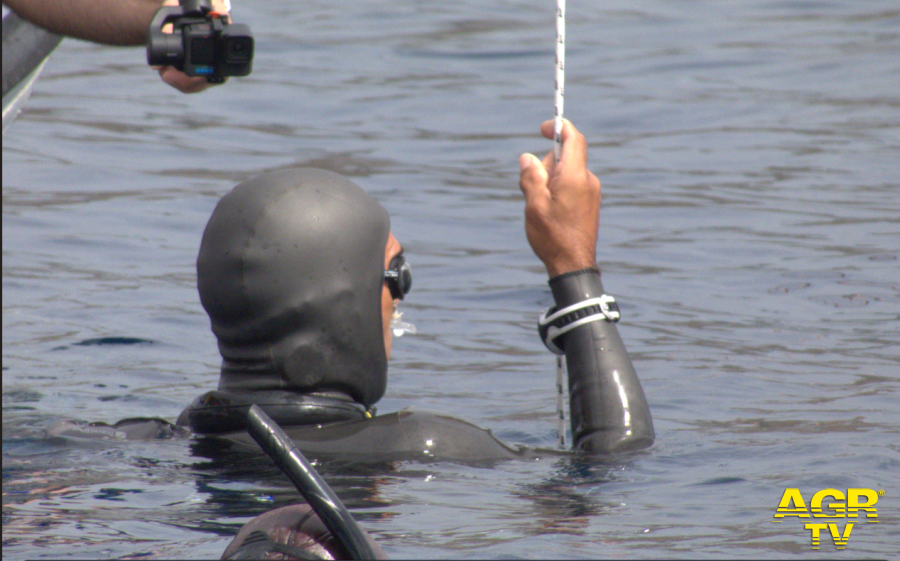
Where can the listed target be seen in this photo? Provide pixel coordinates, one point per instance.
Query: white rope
(561, 401)
(560, 75)
(561, 382)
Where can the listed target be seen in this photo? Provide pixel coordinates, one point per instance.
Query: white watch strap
(558, 324)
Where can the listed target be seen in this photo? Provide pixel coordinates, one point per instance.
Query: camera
(202, 42)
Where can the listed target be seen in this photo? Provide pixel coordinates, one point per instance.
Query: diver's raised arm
(562, 204)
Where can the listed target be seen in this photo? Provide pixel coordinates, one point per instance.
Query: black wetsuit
(608, 409)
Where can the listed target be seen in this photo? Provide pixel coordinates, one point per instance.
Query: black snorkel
(314, 489)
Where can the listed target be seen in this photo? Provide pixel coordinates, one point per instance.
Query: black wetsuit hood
(290, 272)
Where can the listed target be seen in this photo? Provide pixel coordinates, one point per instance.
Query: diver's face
(391, 250)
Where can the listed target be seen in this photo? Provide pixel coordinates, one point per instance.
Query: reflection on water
(748, 156)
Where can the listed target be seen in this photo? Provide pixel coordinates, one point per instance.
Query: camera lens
(239, 49)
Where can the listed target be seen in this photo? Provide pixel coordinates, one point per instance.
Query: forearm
(608, 409)
(111, 22)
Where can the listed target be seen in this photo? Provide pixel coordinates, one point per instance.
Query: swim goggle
(399, 277)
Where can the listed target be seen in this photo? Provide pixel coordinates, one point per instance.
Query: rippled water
(750, 230)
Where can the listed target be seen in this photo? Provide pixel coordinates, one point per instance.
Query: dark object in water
(327, 505)
(293, 531)
(114, 341)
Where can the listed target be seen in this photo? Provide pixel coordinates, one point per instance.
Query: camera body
(201, 43)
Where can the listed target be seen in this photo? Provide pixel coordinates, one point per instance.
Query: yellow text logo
(829, 504)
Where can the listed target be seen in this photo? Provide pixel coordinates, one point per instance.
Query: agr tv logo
(849, 506)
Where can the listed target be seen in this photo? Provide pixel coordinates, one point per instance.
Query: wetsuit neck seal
(220, 412)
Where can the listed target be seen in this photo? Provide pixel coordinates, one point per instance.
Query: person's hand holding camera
(125, 23)
(178, 79)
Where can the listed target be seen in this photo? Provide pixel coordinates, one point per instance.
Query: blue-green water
(750, 231)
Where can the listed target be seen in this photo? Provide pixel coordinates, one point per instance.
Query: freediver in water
(302, 277)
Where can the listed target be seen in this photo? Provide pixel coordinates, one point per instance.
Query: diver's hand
(178, 79)
(562, 204)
